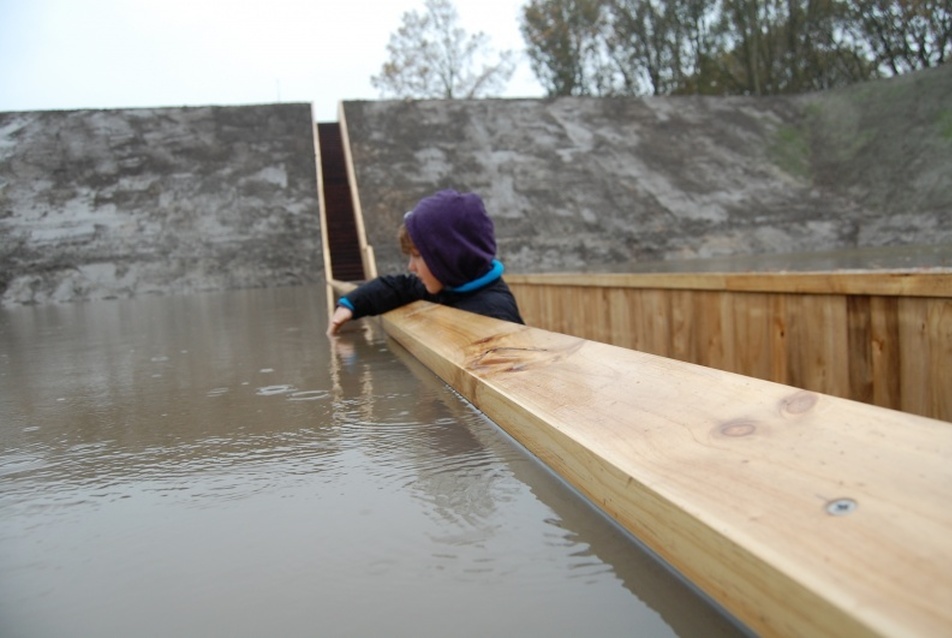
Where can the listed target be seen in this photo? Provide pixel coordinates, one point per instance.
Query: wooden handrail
(800, 513)
(340, 287)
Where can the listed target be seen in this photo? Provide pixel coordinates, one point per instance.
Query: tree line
(720, 47)
(670, 47)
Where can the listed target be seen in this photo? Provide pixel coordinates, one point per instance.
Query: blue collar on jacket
(494, 273)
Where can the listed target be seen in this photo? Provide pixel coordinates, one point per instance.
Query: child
(452, 248)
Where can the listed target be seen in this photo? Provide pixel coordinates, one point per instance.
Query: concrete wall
(98, 204)
(101, 204)
(593, 184)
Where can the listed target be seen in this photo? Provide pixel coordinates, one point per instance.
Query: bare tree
(433, 58)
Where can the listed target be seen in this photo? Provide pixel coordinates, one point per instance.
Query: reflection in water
(208, 465)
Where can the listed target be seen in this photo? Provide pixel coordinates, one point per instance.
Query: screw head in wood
(841, 506)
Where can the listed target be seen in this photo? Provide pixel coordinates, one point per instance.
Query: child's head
(453, 235)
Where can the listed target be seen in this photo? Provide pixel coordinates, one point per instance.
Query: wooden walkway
(881, 337)
(801, 513)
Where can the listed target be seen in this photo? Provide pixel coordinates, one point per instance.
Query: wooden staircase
(342, 235)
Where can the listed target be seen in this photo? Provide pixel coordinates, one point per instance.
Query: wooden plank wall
(883, 338)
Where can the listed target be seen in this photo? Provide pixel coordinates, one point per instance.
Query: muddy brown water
(213, 465)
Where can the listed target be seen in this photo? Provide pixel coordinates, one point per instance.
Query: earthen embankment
(118, 203)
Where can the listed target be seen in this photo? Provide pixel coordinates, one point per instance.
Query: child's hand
(341, 316)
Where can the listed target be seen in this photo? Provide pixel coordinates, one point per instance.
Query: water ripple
(308, 395)
(270, 390)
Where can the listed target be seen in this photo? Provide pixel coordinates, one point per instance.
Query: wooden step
(339, 214)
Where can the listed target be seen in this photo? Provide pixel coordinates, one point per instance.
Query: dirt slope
(619, 184)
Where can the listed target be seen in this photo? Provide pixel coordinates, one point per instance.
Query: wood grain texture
(726, 477)
(882, 338)
(913, 283)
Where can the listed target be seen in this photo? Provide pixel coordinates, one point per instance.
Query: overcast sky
(72, 54)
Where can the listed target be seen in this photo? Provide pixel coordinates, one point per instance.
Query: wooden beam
(801, 513)
(913, 283)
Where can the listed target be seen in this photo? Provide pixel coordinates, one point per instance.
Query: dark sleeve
(383, 294)
(495, 300)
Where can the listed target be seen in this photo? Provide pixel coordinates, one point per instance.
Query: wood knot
(799, 403)
(515, 359)
(736, 428)
(510, 359)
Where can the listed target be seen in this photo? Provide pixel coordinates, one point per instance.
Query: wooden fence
(883, 338)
